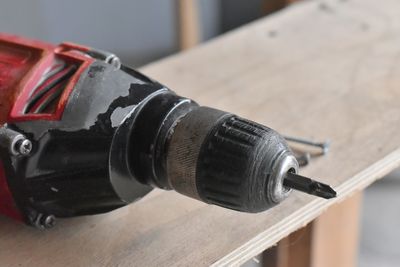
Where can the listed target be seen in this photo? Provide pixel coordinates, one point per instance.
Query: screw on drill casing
(323, 145)
(14, 141)
(23, 147)
(43, 221)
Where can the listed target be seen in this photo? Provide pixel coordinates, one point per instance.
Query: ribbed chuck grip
(236, 163)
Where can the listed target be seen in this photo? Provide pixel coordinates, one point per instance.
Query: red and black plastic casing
(23, 63)
(77, 106)
(102, 135)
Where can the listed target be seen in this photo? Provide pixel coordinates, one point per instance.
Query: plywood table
(319, 69)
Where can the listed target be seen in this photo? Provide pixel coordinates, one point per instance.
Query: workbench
(319, 70)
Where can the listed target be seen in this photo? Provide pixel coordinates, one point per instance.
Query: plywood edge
(309, 212)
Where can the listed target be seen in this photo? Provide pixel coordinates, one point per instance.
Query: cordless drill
(81, 133)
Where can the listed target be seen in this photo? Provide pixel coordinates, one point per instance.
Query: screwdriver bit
(308, 186)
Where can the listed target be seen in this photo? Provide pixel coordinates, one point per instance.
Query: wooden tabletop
(326, 69)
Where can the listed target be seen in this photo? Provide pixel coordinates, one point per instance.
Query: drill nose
(213, 156)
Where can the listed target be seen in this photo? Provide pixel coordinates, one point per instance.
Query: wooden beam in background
(271, 6)
(335, 234)
(292, 251)
(189, 24)
(331, 240)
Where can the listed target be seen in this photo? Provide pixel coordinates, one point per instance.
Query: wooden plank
(335, 235)
(328, 71)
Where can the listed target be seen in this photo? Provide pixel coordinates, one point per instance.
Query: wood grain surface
(318, 70)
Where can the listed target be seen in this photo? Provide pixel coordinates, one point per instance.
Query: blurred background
(140, 32)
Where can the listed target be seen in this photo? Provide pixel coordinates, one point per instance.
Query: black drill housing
(123, 134)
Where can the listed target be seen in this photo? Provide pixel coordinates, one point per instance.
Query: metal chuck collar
(228, 161)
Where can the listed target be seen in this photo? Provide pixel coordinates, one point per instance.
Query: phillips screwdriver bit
(308, 186)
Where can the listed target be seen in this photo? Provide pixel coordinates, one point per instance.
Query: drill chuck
(225, 160)
(210, 155)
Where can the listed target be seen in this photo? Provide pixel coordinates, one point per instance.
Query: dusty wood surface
(318, 69)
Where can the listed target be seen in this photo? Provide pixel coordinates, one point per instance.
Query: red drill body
(23, 63)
